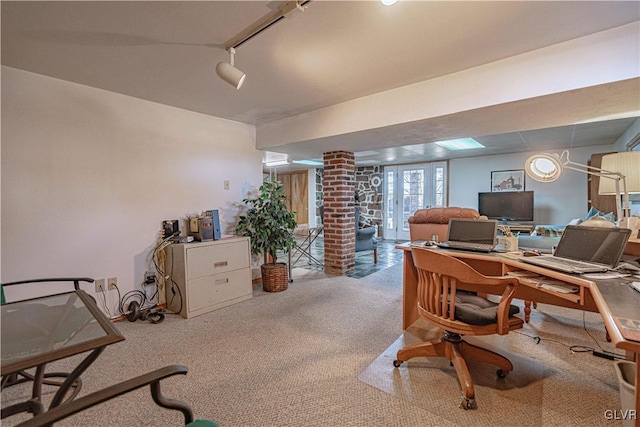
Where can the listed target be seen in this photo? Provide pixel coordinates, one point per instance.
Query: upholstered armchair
(424, 223)
(365, 240)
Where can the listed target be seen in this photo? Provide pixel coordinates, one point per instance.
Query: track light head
(230, 74)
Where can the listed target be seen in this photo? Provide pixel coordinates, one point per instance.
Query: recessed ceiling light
(460, 144)
(270, 156)
(276, 163)
(365, 153)
(309, 162)
(388, 2)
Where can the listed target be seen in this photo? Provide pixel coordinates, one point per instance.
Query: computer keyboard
(564, 261)
(468, 246)
(566, 265)
(563, 289)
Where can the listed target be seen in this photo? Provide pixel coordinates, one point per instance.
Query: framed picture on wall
(511, 180)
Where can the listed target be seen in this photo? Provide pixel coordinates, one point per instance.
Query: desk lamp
(546, 167)
(627, 164)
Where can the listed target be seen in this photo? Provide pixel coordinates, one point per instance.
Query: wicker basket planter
(274, 277)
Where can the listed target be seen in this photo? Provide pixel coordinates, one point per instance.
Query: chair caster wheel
(467, 404)
(501, 373)
(397, 363)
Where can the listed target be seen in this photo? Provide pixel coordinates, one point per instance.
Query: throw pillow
(593, 212)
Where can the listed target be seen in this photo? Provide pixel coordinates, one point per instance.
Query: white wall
(557, 202)
(88, 176)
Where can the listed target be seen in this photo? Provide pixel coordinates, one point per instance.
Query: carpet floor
(321, 352)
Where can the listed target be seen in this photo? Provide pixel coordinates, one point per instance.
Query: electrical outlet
(100, 285)
(112, 283)
(149, 277)
(226, 184)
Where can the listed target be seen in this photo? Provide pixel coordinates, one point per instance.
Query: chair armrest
(152, 379)
(365, 233)
(505, 304)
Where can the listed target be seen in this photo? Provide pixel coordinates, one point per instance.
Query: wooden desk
(41, 330)
(633, 247)
(609, 298)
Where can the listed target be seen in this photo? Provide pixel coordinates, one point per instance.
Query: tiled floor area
(388, 256)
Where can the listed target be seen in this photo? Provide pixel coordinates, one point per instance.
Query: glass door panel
(413, 195)
(409, 188)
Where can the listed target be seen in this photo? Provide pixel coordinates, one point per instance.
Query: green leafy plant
(267, 222)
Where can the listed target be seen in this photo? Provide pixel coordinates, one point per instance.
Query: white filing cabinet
(208, 275)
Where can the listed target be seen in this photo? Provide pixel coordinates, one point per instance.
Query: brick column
(338, 185)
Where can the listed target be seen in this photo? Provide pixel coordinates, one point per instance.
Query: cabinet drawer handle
(222, 281)
(220, 264)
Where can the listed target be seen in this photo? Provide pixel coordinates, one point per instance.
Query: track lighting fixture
(286, 9)
(229, 73)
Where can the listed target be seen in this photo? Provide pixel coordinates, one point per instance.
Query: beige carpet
(319, 354)
(551, 384)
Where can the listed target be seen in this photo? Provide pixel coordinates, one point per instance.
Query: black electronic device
(585, 250)
(506, 205)
(471, 235)
(170, 227)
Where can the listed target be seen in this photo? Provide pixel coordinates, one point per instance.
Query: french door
(409, 188)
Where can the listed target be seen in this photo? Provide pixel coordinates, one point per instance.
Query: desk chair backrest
(447, 297)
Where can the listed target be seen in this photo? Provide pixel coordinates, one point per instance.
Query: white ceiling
(333, 52)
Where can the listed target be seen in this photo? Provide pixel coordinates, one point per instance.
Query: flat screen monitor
(507, 205)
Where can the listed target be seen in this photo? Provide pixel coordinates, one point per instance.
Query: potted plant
(269, 225)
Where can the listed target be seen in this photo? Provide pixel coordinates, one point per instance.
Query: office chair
(447, 298)
(49, 378)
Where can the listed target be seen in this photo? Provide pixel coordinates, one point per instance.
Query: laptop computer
(585, 250)
(471, 235)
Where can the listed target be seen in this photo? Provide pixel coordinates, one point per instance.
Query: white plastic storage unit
(208, 275)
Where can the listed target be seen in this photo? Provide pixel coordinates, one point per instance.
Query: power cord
(602, 353)
(174, 286)
(134, 312)
(132, 306)
(165, 275)
(578, 348)
(104, 303)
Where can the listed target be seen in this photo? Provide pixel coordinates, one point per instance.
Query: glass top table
(49, 328)
(41, 330)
